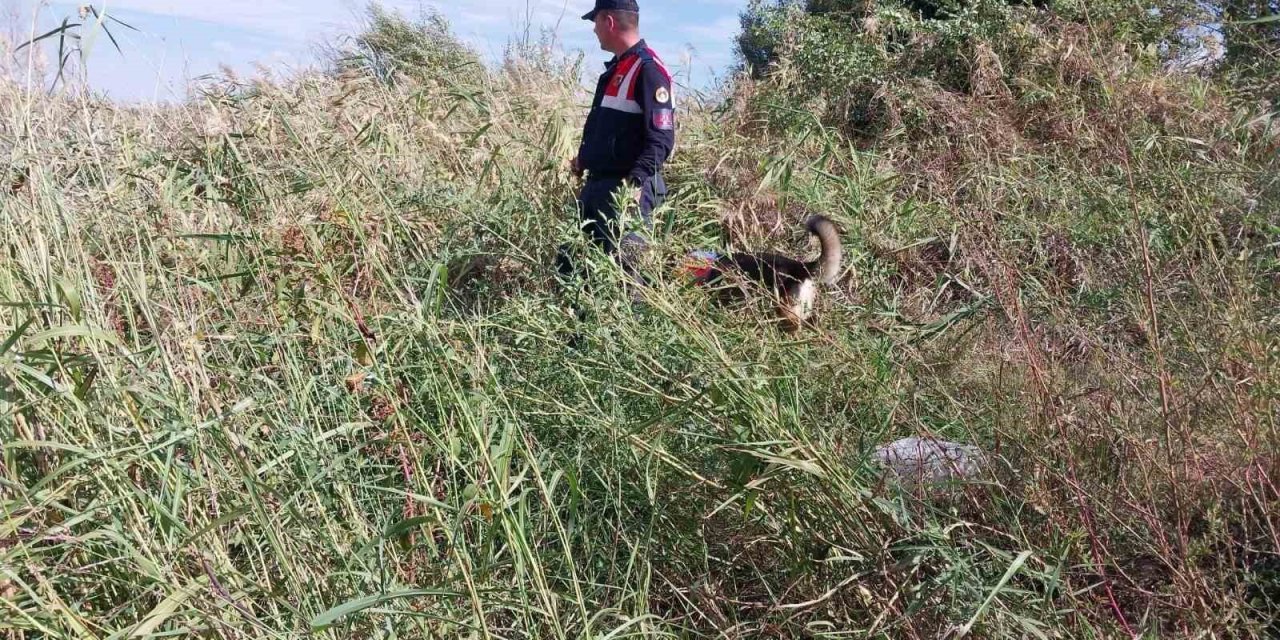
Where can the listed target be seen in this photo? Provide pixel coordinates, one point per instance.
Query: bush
(845, 59)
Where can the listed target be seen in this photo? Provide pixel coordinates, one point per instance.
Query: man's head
(617, 24)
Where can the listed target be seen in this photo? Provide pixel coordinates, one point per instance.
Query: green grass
(290, 360)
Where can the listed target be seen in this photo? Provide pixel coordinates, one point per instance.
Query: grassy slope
(290, 347)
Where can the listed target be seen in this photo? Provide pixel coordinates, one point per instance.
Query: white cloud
(722, 29)
(224, 47)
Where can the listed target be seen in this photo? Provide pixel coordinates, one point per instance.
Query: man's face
(603, 29)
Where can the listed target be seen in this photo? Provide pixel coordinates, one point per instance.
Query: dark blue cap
(612, 5)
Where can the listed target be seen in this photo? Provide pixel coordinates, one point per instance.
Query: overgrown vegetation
(1250, 34)
(394, 47)
(290, 360)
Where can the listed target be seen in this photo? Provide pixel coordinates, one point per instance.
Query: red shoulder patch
(662, 67)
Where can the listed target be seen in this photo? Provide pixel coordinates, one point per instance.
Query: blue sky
(183, 39)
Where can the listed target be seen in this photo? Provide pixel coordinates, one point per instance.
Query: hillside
(291, 359)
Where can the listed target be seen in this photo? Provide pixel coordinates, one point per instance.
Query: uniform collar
(635, 48)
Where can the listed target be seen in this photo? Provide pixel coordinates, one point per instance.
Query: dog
(792, 283)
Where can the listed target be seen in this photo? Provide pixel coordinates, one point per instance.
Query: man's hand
(575, 167)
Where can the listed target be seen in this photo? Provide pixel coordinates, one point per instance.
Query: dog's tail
(827, 266)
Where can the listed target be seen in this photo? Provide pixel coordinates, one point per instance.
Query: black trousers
(600, 220)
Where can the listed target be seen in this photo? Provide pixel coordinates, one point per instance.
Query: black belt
(605, 175)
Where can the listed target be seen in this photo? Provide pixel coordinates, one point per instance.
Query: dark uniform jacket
(630, 131)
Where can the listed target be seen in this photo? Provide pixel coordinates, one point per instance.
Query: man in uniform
(629, 132)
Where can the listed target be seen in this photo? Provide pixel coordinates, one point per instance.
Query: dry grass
(297, 346)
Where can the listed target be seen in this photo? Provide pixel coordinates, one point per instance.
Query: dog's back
(791, 281)
(774, 271)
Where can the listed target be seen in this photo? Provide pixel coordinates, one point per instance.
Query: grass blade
(1008, 575)
(15, 336)
(360, 604)
(1262, 20)
(66, 25)
(75, 331)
